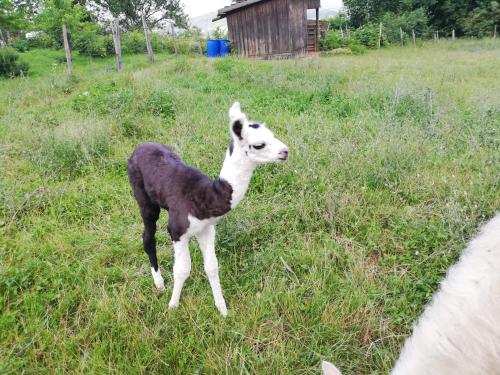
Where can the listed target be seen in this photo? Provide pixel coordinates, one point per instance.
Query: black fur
(160, 179)
(237, 128)
(255, 126)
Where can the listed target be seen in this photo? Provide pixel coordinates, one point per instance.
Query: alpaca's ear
(237, 119)
(237, 128)
(235, 111)
(329, 369)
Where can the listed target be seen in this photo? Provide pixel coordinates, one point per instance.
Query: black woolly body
(159, 178)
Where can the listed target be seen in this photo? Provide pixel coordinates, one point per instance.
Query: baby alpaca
(194, 202)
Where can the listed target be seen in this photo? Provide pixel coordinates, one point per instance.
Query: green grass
(394, 162)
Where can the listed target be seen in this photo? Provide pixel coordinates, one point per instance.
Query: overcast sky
(198, 7)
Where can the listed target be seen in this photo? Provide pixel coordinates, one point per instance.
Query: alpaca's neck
(237, 170)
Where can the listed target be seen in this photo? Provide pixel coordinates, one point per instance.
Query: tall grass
(393, 165)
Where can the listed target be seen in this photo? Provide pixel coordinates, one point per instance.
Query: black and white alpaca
(194, 202)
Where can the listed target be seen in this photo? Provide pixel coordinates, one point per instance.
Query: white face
(254, 139)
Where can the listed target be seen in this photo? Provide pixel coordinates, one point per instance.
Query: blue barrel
(224, 47)
(213, 48)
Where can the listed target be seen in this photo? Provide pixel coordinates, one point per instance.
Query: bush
(416, 20)
(10, 66)
(21, 45)
(43, 41)
(133, 42)
(91, 41)
(367, 35)
(332, 40)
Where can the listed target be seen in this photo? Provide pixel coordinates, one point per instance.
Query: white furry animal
(195, 203)
(459, 331)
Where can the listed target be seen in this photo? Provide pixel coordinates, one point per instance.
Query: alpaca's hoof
(160, 287)
(173, 305)
(222, 310)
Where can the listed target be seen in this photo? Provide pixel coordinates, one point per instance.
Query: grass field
(394, 162)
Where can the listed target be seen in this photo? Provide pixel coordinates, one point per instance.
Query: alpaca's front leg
(182, 269)
(206, 239)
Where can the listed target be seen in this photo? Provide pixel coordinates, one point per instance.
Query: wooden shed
(272, 28)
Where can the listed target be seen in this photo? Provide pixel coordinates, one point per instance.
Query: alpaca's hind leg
(182, 269)
(206, 239)
(150, 214)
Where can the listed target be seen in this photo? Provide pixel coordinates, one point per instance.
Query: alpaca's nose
(283, 154)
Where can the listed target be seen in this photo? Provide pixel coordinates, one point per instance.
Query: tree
(11, 19)
(55, 13)
(155, 12)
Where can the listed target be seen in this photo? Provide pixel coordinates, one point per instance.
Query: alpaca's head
(254, 139)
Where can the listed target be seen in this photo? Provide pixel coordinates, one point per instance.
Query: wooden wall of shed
(298, 26)
(270, 29)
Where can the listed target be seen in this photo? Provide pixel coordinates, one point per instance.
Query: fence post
(401, 36)
(200, 49)
(495, 32)
(148, 42)
(115, 29)
(2, 40)
(380, 35)
(413, 35)
(173, 39)
(437, 35)
(453, 34)
(67, 50)
(341, 32)
(9, 38)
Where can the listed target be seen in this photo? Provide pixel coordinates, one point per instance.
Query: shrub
(90, 41)
(21, 45)
(133, 42)
(10, 66)
(416, 20)
(42, 40)
(332, 40)
(367, 35)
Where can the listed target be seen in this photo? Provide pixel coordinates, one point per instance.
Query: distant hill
(204, 22)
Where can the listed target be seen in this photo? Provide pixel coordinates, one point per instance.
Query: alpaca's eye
(259, 147)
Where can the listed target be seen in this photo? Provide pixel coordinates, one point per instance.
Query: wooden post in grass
(401, 35)
(453, 34)
(2, 40)
(67, 50)
(437, 35)
(414, 39)
(9, 38)
(200, 49)
(495, 32)
(341, 32)
(115, 29)
(380, 35)
(148, 41)
(173, 39)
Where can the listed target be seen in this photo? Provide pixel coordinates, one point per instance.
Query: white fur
(459, 331)
(237, 169)
(329, 369)
(158, 279)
